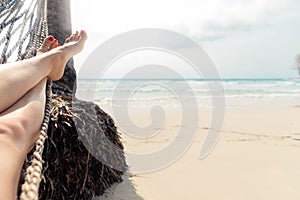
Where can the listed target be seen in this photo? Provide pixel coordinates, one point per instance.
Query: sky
(244, 38)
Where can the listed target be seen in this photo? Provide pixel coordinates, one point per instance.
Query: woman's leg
(21, 121)
(24, 118)
(11, 124)
(19, 77)
(19, 128)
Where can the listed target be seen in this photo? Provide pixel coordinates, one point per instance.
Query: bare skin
(45, 65)
(22, 94)
(49, 43)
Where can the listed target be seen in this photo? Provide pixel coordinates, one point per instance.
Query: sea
(233, 93)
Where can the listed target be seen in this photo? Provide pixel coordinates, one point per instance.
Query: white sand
(257, 157)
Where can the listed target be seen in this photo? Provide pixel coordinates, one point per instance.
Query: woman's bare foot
(73, 45)
(49, 43)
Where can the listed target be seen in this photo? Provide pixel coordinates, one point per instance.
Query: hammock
(23, 27)
(26, 23)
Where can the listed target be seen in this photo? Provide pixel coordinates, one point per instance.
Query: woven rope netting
(23, 27)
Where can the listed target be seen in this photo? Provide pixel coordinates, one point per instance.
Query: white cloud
(202, 19)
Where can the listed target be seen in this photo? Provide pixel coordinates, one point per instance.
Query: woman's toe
(46, 45)
(67, 40)
(77, 37)
(72, 37)
(48, 41)
(53, 45)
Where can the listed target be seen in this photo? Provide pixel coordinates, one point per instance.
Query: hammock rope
(19, 24)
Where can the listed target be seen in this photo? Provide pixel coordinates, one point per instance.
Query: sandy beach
(255, 158)
(163, 71)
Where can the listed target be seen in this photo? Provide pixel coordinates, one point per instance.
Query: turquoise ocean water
(237, 92)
